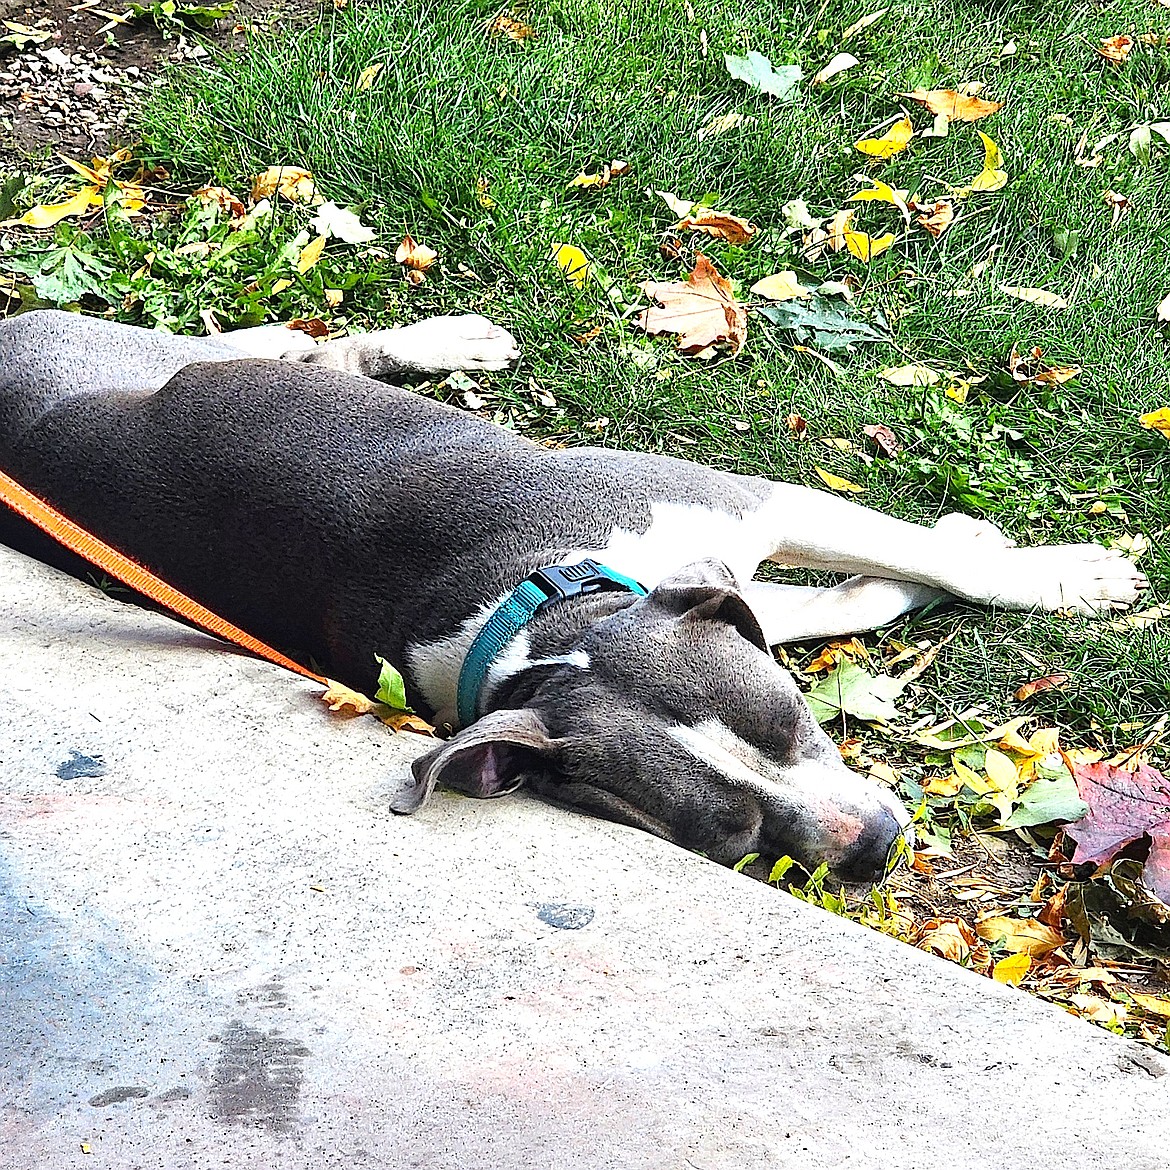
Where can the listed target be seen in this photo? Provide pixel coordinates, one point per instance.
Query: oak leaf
(955, 107)
(702, 310)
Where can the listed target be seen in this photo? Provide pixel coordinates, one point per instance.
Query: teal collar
(545, 586)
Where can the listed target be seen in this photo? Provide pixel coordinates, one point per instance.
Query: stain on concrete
(265, 996)
(178, 1093)
(257, 1079)
(564, 916)
(80, 766)
(118, 1094)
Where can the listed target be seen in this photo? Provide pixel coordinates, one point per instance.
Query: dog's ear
(708, 591)
(494, 756)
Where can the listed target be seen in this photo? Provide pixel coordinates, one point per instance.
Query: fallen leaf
(310, 254)
(1050, 682)
(1157, 1005)
(834, 652)
(836, 482)
(953, 939)
(1142, 620)
(798, 426)
(819, 322)
(836, 228)
(955, 107)
(838, 64)
(293, 183)
(882, 193)
(339, 697)
(48, 215)
(369, 75)
(505, 25)
(797, 217)
(1032, 370)
(781, 286)
(721, 125)
(885, 440)
(391, 686)
(756, 72)
(992, 177)
(866, 247)
(935, 217)
(896, 139)
(1117, 204)
(680, 207)
(852, 690)
(333, 297)
(719, 225)
(572, 262)
(340, 223)
(1027, 936)
(1124, 807)
(414, 255)
(223, 200)
(1035, 296)
(1012, 969)
(1048, 800)
(1162, 312)
(912, 375)
(864, 23)
(702, 310)
(1157, 420)
(1115, 49)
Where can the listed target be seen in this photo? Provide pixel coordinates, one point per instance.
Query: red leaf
(1124, 807)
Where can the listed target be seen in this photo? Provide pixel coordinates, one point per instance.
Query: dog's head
(672, 715)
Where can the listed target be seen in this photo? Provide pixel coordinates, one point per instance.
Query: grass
(454, 108)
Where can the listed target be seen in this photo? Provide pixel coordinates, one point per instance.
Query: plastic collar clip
(545, 586)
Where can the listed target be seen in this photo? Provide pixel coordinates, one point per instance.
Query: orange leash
(118, 565)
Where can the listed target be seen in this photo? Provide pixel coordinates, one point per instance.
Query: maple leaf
(719, 225)
(702, 310)
(955, 107)
(1124, 807)
(852, 690)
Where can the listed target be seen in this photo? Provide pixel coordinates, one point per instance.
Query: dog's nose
(867, 856)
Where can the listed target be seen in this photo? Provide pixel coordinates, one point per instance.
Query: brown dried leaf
(718, 224)
(884, 439)
(955, 107)
(935, 217)
(505, 25)
(702, 310)
(339, 697)
(415, 255)
(294, 183)
(1032, 370)
(1050, 682)
(1115, 49)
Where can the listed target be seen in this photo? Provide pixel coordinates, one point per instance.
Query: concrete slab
(218, 948)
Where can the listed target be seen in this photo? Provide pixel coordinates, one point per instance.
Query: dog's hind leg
(792, 613)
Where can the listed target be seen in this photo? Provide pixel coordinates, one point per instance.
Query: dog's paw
(1084, 578)
(468, 342)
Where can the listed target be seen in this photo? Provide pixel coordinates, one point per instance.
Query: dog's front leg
(802, 526)
(435, 346)
(793, 613)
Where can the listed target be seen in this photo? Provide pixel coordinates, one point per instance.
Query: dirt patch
(76, 91)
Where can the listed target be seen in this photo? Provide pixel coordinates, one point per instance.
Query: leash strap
(119, 566)
(554, 583)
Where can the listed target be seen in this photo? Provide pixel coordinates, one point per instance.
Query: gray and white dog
(336, 517)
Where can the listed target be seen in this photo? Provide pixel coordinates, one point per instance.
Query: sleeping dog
(585, 620)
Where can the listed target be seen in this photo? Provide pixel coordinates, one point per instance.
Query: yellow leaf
(1157, 420)
(280, 285)
(944, 785)
(863, 23)
(781, 286)
(719, 224)
(46, 215)
(865, 247)
(992, 177)
(310, 254)
(334, 297)
(883, 193)
(338, 696)
(1001, 772)
(910, 376)
(415, 256)
(587, 181)
(572, 262)
(836, 482)
(955, 107)
(1035, 296)
(294, 183)
(1021, 935)
(970, 778)
(369, 75)
(1157, 1004)
(403, 720)
(1012, 969)
(889, 144)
